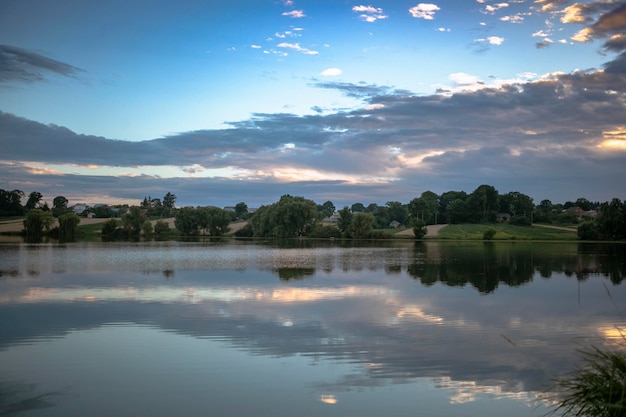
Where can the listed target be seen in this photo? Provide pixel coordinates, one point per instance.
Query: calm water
(239, 328)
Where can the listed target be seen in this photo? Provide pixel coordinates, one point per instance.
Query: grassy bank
(504, 232)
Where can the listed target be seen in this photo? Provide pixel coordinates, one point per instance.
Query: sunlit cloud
(424, 11)
(296, 14)
(297, 47)
(614, 140)
(331, 72)
(369, 14)
(328, 399)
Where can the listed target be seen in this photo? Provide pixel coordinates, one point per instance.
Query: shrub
(161, 227)
(489, 234)
(520, 221)
(246, 231)
(322, 231)
(588, 231)
(419, 228)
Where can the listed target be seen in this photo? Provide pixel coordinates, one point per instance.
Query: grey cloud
(17, 64)
(529, 137)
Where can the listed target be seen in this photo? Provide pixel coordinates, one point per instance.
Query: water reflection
(371, 317)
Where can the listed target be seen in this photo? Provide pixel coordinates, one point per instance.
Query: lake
(302, 328)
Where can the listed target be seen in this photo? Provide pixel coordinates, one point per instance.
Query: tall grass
(597, 388)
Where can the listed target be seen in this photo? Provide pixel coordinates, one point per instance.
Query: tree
(161, 227)
(169, 201)
(68, 223)
(36, 222)
(11, 203)
(482, 204)
(33, 200)
(357, 208)
(59, 206)
(361, 225)
(187, 221)
(419, 228)
(611, 220)
(213, 219)
(147, 228)
(345, 218)
(288, 217)
(397, 212)
(425, 207)
(241, 210)
(133, 221)
(109, 228)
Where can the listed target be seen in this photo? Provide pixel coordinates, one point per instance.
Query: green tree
(68, 223)
(483, 204)
(169, 200)
(397, 212)
(444, 206)
(456, 211)
(147, 228)
(33, 200)
(59, 206)
(133, 221)
(425, 207)
(419, 228)
(161, 227)
(357, 208)
(345, 218)
(361, 225)
(187, 221)
(36, 222)
(381, 217)
(214, 220)
(241, 210)
(11, 203)
(109, 228)
(611, 220)
(288, 217)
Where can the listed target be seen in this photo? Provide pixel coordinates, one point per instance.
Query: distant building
(503, 217)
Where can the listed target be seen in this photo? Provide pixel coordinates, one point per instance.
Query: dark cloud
(17, 64)
(520, 137)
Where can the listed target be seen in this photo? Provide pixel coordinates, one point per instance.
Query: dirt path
(433, 231)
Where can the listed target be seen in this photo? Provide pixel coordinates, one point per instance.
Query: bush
(588, 231)
(321, 231)
(379, 234)
(489, 234)
(519, 221)
(147, 228)
(419, 228)
(161, 227)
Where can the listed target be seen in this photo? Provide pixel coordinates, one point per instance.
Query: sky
(221, 102)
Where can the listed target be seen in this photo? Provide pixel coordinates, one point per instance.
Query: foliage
(324, 231)
(169, 200)
(361, 225)
(288, 217)
(419, 228)
(213, 219)
(611, 220)
(11, 203)
(425, 207)
(109, 227)
(588, 231)
(379, 234)
(133, 221)
(595, 389)
(68, 223)
(397, 211)
(59, 206)
(489, 234)
(241, 210)
(520, 220)
(482, 204)
(147, 228)
(36, 222)
(345, 218)
(33, 200)
(161, 227)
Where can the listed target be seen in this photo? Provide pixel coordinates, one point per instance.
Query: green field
(504, 232)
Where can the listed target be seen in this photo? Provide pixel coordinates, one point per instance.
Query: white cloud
(369, 14)
(331, 72)
(255, 46)
(424, 11)
(296, 14)
(442, 29)
(540, 34)
(461, 78)
(492, 40)
(492, 8)
(297, 47)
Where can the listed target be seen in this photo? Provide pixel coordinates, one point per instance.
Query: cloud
(492, 8)
(17, 64)
(609, 23)
(369, 13)
(491, 40)
(473, 133)
(296, 14)
(424, 11)
(331, 72)
(297, 47)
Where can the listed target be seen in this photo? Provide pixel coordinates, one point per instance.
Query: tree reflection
(17, 398)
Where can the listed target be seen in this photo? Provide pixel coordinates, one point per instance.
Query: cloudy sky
(221, 102)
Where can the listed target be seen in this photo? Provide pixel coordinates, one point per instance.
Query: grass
(504, 232)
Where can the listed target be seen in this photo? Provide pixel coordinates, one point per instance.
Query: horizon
(332, 101)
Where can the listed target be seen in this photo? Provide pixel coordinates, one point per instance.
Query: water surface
(240, 328)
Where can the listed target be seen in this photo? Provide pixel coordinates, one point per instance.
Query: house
(79, 208)
(395, 224)
(503, 217)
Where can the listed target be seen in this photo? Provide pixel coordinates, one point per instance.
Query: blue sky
(221, 102)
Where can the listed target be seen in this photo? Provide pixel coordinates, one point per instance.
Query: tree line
(297, 216)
